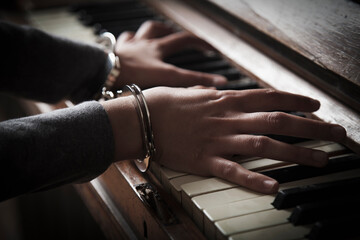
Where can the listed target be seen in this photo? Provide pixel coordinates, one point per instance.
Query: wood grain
(326, 32)
(261, 67)
(296, 41)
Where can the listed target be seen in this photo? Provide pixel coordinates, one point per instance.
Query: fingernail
(320, 157)
(270, 185)
(219, 81)
(316, 103)
(338, 132)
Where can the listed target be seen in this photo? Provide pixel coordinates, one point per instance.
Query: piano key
(265, 163)
(338, 228)
(308, 144)
(208, 66)
(262, 164)
(296, 172)
(61, 23)
(280, 232)
(166, 175)
(238, 208)
(231, 74)
(90, 19)
(240, 84)
(191, 190)
(294, 196)
(199, 187)
(211, 213)
(191, 57)
(122, 25)
(218, 198)
(104, 6)
(250, 222)
(338, 206)
(177, 182)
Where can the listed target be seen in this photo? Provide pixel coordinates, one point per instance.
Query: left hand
(141, 57)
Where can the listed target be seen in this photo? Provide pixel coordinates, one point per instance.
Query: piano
(305, 47)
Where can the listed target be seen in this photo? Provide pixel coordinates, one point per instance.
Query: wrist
(126, 128)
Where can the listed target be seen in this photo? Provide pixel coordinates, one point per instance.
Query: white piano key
(285, 231)
(234, 209)
(218, 198)
(170, 174)
(266, 163)
(251, 222)
(62, 23)
(200, 187)
(263, 163)
(166, 175)
(331, 148)
(240, 208)
(176, 184)
(217, 212)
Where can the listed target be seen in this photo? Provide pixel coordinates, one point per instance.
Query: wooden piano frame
(113, 198)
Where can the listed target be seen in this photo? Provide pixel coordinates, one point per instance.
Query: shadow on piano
(313, 203)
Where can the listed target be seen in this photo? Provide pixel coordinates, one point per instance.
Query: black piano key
(289, 198)
(231, 74)
(116, 31)
(336, 228)
(241, 84)
(188, 57)
(208, 65)
(110, 17)
(298, 172)
(100, 9)
(338, 207)
(287, 139)
(125, 24)
(128, 16)
(96, 6)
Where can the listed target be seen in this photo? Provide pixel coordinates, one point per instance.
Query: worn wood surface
(119, 182)
(316, 57)
(326, 32)
(260, 66)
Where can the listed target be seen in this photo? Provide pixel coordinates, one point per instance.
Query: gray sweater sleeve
(64, 146)
(48, 150)
(39, 66)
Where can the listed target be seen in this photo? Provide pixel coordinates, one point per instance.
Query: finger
(286, 124)
(186, 78)
(235, 173)
(179, 41)
(266, 147)
(125, 36)
(202, 87)
(153, 29)
(259, 100)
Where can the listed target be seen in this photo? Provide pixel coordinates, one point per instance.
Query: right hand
(198, 130)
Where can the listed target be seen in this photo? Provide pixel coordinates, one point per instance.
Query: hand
(141, 57)
(198, 130)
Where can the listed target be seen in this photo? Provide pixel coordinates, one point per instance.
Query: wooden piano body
(128, 204)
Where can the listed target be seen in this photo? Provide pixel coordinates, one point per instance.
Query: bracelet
(144, 117)
(107, 40)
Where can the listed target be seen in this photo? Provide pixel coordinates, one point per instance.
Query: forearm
(46, 68)
(53, 149)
